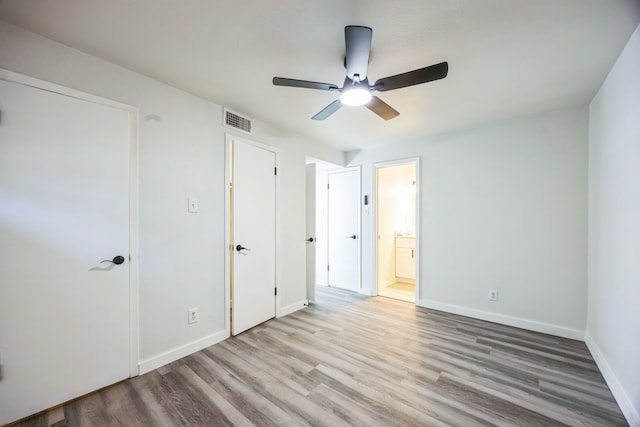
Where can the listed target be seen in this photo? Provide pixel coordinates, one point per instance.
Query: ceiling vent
(236, 121)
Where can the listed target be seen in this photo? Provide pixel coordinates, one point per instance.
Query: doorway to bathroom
(396, 229)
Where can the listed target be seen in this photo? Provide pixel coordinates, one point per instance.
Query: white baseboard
(180, 352)
(631, 413)
(517, 322)
(387, 283)
(293, 307)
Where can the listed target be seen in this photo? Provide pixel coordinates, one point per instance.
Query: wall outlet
(193, 315)
(493, 295)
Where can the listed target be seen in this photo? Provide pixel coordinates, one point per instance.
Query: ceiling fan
(356, 90)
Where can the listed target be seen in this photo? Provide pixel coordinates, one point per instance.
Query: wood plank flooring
(349, 360)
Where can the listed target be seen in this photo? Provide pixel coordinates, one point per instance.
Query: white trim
(532, 325)
(291, 308)
(134, 226)
(227, 232)
(229, 138)
(373, 206)
(134, 248)
(385, 284)
(25, 80)
(626, 404)
(276, 151)
(182, 351)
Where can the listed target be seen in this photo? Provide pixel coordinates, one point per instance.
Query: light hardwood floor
(349, 360)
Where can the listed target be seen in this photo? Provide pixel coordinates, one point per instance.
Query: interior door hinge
(327, 267)
(275, 291)
(327, 186)
(275, 171)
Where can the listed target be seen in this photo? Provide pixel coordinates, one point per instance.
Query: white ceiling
(506, 57)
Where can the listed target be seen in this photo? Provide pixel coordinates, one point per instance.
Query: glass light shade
(355, 97)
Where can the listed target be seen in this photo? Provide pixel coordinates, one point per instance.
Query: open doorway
(317, 196)
(396, 229)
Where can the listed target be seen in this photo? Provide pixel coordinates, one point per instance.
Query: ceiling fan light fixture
(354, 97)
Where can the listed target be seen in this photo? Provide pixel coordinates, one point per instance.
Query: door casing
(357, 169)
(229, 139)
(310, 211)
(134, 209)
(374, 204)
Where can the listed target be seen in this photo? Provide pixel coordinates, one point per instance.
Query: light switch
(193, 205)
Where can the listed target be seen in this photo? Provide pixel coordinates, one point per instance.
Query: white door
(311, 230)
(64, 208)
(344, 229)
(253, 272)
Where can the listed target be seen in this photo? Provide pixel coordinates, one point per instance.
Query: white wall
(181, 155)
(502, 207)
(614, 229)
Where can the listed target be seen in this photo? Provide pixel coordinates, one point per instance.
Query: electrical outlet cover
(193, 315)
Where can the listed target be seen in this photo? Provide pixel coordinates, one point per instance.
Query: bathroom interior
(396, 229)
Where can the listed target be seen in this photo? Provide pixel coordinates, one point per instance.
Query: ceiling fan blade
(411, 78)
(358, 44)
(281, 81)
(328, 110)
(381, 108)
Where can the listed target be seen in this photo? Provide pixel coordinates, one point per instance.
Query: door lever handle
(117, 260)
(241, 248)
(310, 240)
(352, 237)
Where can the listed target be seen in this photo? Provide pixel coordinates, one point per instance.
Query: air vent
(236, 121)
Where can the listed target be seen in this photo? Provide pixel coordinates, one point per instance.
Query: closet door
(253, 273)
(64, 234)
